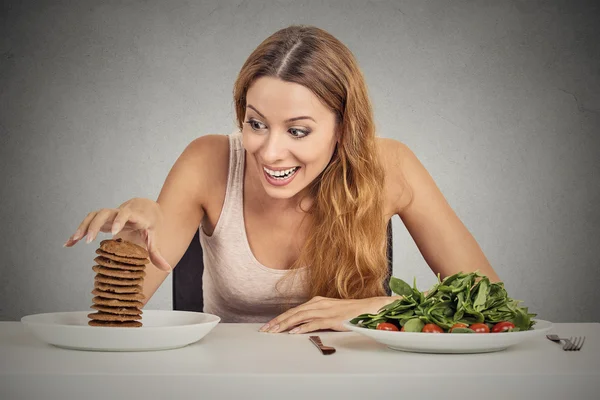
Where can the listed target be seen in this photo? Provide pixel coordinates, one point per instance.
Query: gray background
(499, 99)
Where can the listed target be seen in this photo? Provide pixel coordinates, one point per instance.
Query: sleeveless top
(236, 286)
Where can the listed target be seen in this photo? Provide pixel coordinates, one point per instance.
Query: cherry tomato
(432, 328)
(386, 326)
(458, 325)
(502, 326)
(480, 328)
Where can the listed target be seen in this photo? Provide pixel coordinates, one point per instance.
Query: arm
(445, 243)
(181, 202)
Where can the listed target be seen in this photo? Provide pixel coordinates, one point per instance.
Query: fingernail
(295, 330)
(264, 328)
(274, 329)
(88, 239)
(76, 235)
(116, 228)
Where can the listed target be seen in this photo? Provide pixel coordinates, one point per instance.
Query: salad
(461, 303)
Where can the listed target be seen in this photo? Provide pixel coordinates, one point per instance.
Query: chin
(280, 193)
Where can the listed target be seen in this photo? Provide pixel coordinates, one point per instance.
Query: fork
(571, 344)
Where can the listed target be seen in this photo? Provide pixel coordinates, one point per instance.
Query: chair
(187, 275)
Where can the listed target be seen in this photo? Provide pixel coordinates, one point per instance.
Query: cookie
(117, 310)
(116, 302)
(107, 262)
(118, 296)
(116, 324)
(117, 273)
(118, 281)
(117, 289)
(140, 262)
(123, 248)
(102, 316)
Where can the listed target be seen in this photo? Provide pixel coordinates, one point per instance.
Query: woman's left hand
(323, 313)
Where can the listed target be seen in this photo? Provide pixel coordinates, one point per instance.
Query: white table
(237, 361)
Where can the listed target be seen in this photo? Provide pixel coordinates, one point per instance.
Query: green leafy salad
(461, 303)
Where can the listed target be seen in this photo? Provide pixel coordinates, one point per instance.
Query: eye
(298, 133)
(255, 125)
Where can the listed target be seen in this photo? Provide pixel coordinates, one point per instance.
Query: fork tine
(580, 341)
(575, 343)
(568, 344)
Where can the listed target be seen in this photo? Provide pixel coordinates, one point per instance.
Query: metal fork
(571, 344)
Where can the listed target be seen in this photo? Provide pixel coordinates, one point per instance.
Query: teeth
(280, 174)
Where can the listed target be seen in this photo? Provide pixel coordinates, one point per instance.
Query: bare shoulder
(203, 164)
(392, 151)
(397, 160)
(208, 150)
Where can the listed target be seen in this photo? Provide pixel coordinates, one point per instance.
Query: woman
(293, 209)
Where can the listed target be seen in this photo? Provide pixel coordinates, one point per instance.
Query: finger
(155, 256)
(102, 217)
(120, 220)
(315, 325)
(81, 230)
(273, 325)
(298, 318)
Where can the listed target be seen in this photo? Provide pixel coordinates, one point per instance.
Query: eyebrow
(287, 120)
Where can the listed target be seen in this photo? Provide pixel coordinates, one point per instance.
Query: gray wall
(499, 99)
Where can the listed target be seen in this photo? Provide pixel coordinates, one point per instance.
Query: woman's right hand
(138, 217)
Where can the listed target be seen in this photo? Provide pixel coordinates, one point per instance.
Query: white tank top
(236, 286)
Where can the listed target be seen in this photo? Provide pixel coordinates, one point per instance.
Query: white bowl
(161, 330)
(451, 342)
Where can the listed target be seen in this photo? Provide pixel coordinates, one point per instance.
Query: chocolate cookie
(116, 324)
(102, 316)
(117, 289)
(117, 310)
(107, 262)
(116, 302)
(123, 248)
(118, 296)
(118, 281)
(117, 273)
(123, 260)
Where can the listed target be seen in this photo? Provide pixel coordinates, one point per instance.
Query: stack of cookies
(118, 284)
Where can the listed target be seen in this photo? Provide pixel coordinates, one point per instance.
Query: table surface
(237, 360)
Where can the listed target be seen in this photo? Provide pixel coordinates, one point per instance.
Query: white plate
(161, 330)
(451, 342)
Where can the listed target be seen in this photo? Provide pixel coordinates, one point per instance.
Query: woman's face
(288, 134)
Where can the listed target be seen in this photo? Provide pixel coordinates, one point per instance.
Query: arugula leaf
(400, 287)
(413, 325)
(463, 330)
(482, 293)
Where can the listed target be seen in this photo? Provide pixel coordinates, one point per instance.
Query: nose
(274, 147)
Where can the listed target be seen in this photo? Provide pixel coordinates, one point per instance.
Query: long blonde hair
(345, 250)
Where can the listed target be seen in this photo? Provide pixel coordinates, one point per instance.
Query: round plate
(451, 342)
(161, 330)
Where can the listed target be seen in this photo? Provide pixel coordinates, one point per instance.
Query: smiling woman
(293, 208)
